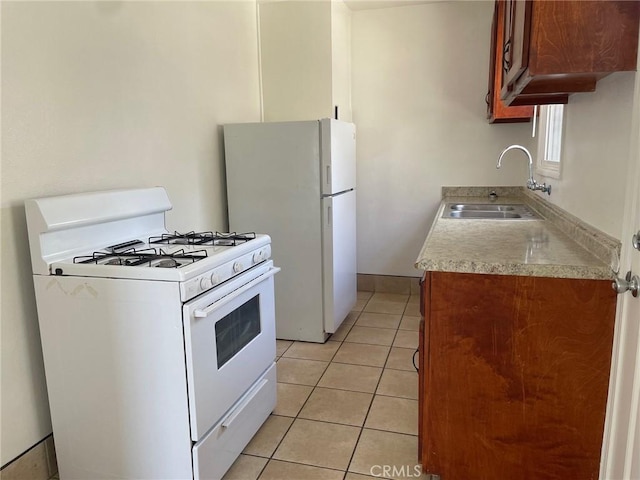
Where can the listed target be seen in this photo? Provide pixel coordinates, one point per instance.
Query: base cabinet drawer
(216, 452)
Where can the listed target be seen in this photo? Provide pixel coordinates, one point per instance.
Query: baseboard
(37, 463)
(388, 284)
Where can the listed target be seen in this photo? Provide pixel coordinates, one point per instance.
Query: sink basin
(487, 207)
(488, 211)
(483, 214)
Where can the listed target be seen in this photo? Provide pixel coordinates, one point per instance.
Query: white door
(339, 258)
(621, 447)
(338, 147)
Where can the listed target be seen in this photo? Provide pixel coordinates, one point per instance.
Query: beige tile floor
(347, 409)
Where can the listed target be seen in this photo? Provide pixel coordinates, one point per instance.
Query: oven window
(237, 329)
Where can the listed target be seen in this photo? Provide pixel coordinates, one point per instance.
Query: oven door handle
(205, 312)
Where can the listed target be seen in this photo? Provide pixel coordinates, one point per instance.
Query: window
(550, 140)
(237, 329)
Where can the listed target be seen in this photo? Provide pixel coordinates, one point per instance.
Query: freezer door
(338, 154)
(339, 258)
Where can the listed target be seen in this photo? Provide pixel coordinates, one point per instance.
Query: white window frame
(551, 130)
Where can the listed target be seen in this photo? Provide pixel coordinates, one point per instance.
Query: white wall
(595, 154)
(107, 95)
(295, 50)
(341, 59)
(305, 59)
(420, 77)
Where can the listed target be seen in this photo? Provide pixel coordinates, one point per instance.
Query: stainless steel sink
(488, 211)
(480, 214)
(487, 207)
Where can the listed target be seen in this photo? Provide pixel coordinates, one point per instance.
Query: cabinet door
(515, 49)
(423, 358)
(421, 369)
(516, 376)
(556, 48)
(497, 111)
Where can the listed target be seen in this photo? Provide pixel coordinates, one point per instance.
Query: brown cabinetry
(514, 376)
(497, 111)
(551, 49)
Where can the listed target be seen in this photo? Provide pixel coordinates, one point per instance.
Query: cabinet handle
(486, 98)
(506, 56)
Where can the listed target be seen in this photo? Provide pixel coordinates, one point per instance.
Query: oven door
(229, 342)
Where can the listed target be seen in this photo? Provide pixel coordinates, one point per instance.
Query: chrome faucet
(531, 182)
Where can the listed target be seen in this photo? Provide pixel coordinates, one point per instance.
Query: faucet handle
(533, 185)
(544, 188)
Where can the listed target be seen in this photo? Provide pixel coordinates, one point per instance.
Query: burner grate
(203, 238)
(148, 257)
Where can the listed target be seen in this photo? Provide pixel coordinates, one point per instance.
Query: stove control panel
(260, 256)
(205, 284)
(200, 284)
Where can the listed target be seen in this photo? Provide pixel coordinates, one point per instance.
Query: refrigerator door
(338, 148)
(339, 258)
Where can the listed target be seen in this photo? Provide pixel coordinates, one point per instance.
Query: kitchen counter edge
(575, 249)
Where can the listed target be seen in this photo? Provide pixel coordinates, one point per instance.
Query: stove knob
(205, 283)
(215, 279)
(237, 267)
(258, 257)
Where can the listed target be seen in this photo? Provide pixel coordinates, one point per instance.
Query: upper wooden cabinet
(551, 49)
(497, 111)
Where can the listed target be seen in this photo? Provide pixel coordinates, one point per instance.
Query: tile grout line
(316, 386)
(370, 404)
(310, 395)
(313, 388)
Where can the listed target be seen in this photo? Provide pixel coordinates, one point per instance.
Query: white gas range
(159, 347)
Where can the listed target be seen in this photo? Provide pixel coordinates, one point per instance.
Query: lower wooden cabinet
(421, 388)
(514, 375)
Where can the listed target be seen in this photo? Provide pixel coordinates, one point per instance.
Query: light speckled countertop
(541, 248)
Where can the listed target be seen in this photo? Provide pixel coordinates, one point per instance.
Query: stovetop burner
(203, 238)
(148, 257)
(130, 254)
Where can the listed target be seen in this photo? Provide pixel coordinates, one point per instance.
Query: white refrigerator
(296, 182)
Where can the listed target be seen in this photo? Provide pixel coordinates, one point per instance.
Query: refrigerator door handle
(328, 182)
(329, 215)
